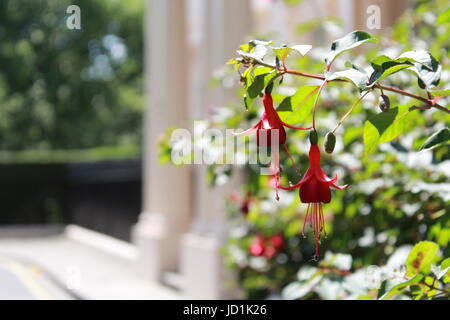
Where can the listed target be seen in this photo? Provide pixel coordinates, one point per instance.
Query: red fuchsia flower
(266, 247)
(270, 252)
(269, 122)
(257, 247)
(277, 241)
(315, 190)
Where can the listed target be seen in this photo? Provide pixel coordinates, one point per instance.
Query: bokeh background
(92, 208)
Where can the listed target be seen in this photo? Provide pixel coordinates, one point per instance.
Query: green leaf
(254, 43)
(429, 75)
(384, 127)
(384, 66)
(440, 137)
(438, 271)
(440, 93)
(444, 17)
(256, 54)
(347, 42)
(425, 66)
(420, 258)
(296, 108)
(417, 56)
(302, 48)
(256, 79)
(358, 78)
(444, 265)
(283, 52)
(399, 288)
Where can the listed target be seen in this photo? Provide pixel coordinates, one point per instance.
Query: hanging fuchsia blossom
(269, 122)
(314, 190)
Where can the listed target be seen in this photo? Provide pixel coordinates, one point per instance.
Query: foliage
(398, 195)
(422, 278)
(70, 89)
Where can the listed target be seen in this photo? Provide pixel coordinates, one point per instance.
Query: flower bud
(313, 137)
(384, 103)
(330, 142)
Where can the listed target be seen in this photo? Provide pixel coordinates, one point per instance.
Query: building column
(218, 36)
(166, 188)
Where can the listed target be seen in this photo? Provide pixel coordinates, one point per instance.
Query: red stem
(429, 101)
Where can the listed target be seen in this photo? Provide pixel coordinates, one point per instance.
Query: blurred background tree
(64, 89)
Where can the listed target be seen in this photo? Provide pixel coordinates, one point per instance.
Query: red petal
(324, 192)
(306, 177)
(339, 187)
(308, 192)
(256, 126)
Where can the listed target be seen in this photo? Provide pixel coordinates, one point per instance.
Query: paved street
(74, 264)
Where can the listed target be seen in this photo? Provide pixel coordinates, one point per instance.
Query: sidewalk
(75, 263)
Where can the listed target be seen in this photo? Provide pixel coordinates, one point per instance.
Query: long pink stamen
(314, 217)
(316, 229)
(305, 222)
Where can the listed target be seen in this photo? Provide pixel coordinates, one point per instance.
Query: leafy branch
(430, 102)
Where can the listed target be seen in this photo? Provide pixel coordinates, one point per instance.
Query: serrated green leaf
(296, 108)
(347, 42)
(440, 137)
(420, 258)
